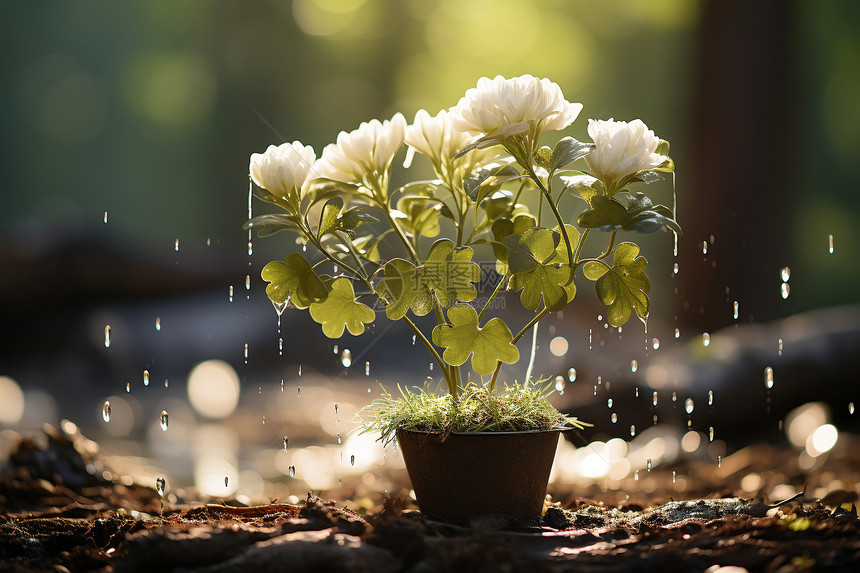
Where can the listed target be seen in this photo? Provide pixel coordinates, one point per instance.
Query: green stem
(580, 245)
(559, 220)
(492, 296)
(409, 248)
(420, 335)
(609, 248)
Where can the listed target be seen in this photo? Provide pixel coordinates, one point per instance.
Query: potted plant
(412, 250)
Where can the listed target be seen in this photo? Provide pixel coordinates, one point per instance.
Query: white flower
(282, 169)
(500, 107)
(435, 137)
(622, 148)
(363, 155)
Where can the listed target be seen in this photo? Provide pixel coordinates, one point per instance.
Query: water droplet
(146, 377)
(246, 353)
(673, 476)
(768, 377)
(106, 411)
(339, 440)
(250, 248)
(230, 293)
(784, 289)
(779, 347)
(609, 403)
(710, 397)
(559, 384)
(226, 481)
(648, 464)
(413, 340)
(176, 245)
(346, 358)
(286, 442)
(282, 384)
(367, 368)
(247, 282)
(654, 399)
(711, 434)
(636, 391)
(677, 333)
(571, 375)
(300, 370)
(263, 420)
(735, 310)
(704, 247)
(614, 417)
(160, 485)
(636, 475)
(850, 407)
(719, 461)
(706, 339)
(299, 391)
(128, 387)
(335, 349)
(107, 336)
(335, 409)
(830, 244)
(164, 420)
(292, 471)
(107, 218)
(431, 366)
(689, 405)
(675, 269)
(280, 347)
(634, 366)
(655, 344)
(165, 382)
(157, 324)
(352, 460)
(632, 430)
(674, 396)
(784, 273)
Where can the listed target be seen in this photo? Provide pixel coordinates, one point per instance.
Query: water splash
(164, 420)
(335, 409)
(675, 269)
(246, 353)
(704, 247)
(107, 336)
(851, 407)
(299, 392)
(106, 411)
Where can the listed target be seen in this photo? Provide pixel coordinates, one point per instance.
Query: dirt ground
(58, 515)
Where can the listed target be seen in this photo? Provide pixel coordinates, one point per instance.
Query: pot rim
(489, 433)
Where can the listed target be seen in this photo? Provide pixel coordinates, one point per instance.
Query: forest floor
(55, 515)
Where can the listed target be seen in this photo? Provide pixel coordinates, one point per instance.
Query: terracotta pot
(479, 474)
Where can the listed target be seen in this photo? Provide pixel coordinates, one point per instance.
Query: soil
(58, 514)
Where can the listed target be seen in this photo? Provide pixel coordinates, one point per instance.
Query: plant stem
(559, 220)
(492, 296)
(409, 248)
(532, 357)
(420, 335)
(580, 245)
(609, 248)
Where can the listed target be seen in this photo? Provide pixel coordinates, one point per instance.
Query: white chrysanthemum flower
(363, 155)
(435, 137)
(622, 148)
(282, 169)
(500, 107)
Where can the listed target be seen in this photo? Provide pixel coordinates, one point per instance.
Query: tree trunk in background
(738, 190)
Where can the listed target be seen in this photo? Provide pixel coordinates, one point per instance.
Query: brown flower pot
(470, 475)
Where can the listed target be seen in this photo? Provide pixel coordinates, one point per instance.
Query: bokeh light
(11, 401)
(213, 389)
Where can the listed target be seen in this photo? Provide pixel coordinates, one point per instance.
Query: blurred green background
(149, 111)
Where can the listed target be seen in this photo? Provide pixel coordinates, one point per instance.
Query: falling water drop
(711, 434)
(632, 430)
(706, 339)
(346, 358)
(335, 349)
(226, 481)
(654, 399)
(779, 347)
(164, 420)
(146, 377)
(299, 392)
(282, 384)
(157, 324)
(292, 471)
(677, 333)
(609, 403)
(830, 244)
(106, 411)
(286, 442)
(559, 384)
(165, 382)
(655, 344)
(247, 282)
(335, 409)
(636, 475)
(431, 366)
(614, 417)
(784, 289)
(850, 407)
(280, 347)
(246, 353)
(128, 387)
(352, 460)
(571, 375)
(675, 269)
(710, 397)
(719, 461)
(413, 340)
(339, 440)
(107, 336)
(160, 485)
(674, 396)
(704, 247)
(648, 464)
(367, 368)
(300, 370)
(768, 377)
(673, 476)
(107, 218)
(230, 293)
(784, 274)
(634, 366)
(689, 405)
(735, 310)
(250, 248)
(176, 245)
(636, 391)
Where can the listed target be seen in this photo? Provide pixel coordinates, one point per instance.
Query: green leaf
(623, 286)
(445, 276)
(662, 148)
(328, 216)
(640, 215)
(583, 185)
(293, 280)
(463, 337)
(322, 189)
(354, 218)
(488, 180)
(341, 309)
(289, 204)
(567, 151)
(270, 224)
(421, 215)
(529, 259)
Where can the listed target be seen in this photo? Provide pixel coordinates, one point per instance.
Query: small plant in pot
(479, 446)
